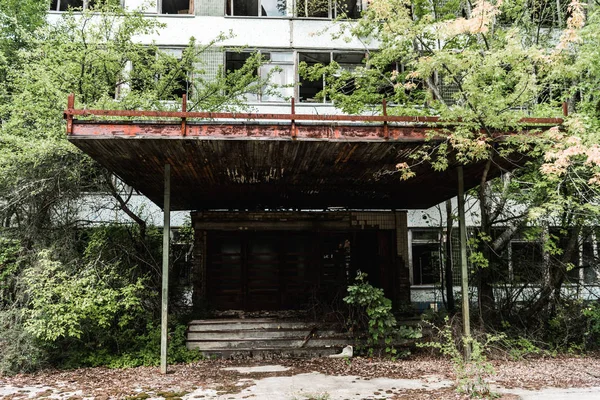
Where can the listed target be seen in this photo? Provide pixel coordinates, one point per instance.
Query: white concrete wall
(254, 32)
(101, 209)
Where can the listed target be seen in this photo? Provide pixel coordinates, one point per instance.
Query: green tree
(54, 255)
(488, 64)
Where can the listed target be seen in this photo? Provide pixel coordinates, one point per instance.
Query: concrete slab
(260, 368)
(316, 385)
(592, 393)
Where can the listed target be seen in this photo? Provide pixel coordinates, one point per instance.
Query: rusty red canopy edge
(71, 112)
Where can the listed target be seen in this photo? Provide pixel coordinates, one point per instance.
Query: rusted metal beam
(287, 117)
(295, 131)
(258, 131)
(292, 117)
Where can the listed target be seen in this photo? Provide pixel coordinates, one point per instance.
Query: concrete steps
(263, 338)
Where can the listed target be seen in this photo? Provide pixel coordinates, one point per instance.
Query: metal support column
(165, 271)
(463, 263)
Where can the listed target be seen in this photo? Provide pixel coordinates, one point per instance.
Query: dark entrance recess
(293, 270)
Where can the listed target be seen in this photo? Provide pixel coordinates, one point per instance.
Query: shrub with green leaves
(65, 301)
(375, 314)
(470, 373)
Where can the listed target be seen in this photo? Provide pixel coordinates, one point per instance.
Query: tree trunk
(487, 302)
(449, 261)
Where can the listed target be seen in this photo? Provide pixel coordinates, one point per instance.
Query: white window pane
(281, 87)
(273, 8)
(282, 57)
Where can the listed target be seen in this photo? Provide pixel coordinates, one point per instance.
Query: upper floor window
(65, 5)
(297, 8)
(328, 8)
(278, 68)
(311, 88)
(176, 6)
(257, 8)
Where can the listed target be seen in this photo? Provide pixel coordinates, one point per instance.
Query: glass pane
(281, 80)
(66, 4)
(248, 8)
(282, 57)
(426, 261)
(312, 8)
(348, 61)
(309, 89)
(175, 7)
(347, 8)
(273, 8)
(527, 262)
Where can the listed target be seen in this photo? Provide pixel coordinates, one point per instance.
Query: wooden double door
(292, 270)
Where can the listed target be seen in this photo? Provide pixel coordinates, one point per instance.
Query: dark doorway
(291, 270)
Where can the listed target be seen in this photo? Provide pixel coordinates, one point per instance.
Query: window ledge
(170, 15)
(286, 17)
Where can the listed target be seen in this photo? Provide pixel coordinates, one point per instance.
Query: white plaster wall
(254, 32)
(99, 208)
(270, 33)
(435, 216)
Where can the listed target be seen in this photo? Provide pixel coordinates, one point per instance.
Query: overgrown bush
(372, 311)
(571, 326)
(91, 302)
(470, 373)
(20, 351)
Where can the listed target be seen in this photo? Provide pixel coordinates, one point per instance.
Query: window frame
(159, 8)
(85, 5)
(437, 242)
(292, 10)
(259, 96)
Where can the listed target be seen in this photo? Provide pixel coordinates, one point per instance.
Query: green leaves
(381, 323)
(63, 300)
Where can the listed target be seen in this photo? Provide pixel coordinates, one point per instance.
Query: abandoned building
(287, 203)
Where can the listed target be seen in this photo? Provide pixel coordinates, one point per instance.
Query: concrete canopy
(341, 161)
(257, 168)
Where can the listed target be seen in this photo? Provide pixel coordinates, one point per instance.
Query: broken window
(347, 9)
(348, 62)
(278, 68)
(234, 61)
(329, 8)
(176, 6)
(162, 71)
(174, 81)
(256, 8)
(526, 261)
(426, 258)
(64, 5)
(310, 87)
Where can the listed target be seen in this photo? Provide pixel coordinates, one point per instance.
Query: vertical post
(449, 262)
(565, 108)
(183, 119)
(294, 134)
(165, 271)
(69, 113)
(463, 263)
(386, 133)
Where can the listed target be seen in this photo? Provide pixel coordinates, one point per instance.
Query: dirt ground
(183, 380)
